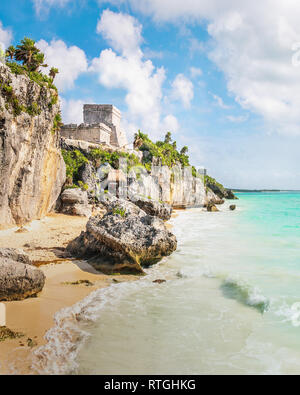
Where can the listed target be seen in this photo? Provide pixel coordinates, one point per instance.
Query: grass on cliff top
(210, 180)
(36, 76)
(99, 156)
(165, 150)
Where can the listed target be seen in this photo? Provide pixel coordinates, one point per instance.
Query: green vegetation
(73, 160)
(27, 59)
(33, 109)
(56, 123)
(83, 186)
(99, 156)
(27, 53)
(53, 72)
(165, 150)
(212, 181)
(54, 100)
(119, 211)
(11, 99)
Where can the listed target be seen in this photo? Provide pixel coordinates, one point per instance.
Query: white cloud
(183, 90)
(5, 37)
(195, 72)
(252, 46)
(237, 119)
(129, 70)
(70, 61)
(43, 6)
(219, 101)
(122, 31)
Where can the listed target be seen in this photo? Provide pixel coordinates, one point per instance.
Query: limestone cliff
(31, 166)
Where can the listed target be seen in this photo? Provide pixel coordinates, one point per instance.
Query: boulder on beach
(18, 278)
(16, 254)
(124, 240)
(212, 208)
(232, 207)
(74, 201)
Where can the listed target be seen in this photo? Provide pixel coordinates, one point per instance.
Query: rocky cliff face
(31, 166)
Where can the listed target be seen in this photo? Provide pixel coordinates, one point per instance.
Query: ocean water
(230, 304)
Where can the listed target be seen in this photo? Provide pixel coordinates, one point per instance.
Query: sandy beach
(44, 241)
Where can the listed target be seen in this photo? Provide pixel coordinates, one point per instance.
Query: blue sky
(220, 77)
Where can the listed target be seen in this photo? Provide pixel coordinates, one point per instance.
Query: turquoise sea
(230, 305)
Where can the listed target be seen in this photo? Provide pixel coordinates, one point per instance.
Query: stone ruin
(101, 125)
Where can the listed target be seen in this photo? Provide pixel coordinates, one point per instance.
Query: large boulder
(16, 254)
(18, 280)
(154, 208)
(74, 201)
(125, 239)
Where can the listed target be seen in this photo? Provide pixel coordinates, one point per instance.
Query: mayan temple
(101, 125)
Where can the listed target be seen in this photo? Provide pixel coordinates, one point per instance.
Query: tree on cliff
(53, 72)
(10, 52)
(168, 138)
(184, 150)
(29, 55)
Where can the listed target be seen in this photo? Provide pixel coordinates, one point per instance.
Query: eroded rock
(19, 280)
(74, 201)
(125, 239)
(16, 254)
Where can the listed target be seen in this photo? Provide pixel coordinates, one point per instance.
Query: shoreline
(33, 317)
(44, 240)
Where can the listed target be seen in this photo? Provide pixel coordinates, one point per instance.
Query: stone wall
(97, 113)
(98, 134)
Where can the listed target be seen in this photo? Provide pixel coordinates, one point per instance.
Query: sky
(222, 76)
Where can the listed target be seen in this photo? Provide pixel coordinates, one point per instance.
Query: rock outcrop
(74, 201)
(154, 208)
(31, 166)
(219, 190)
(125, 239)
(212, 198)
(18, 280)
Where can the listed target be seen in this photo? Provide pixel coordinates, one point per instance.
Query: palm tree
(37, 62)
(184, 150)
(53, 72)
(26, 51)
(168, 138)
(10, 52)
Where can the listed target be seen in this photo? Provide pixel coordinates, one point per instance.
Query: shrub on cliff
(73, 160)
(165, 150)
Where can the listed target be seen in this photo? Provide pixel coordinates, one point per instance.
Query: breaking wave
(245, 294)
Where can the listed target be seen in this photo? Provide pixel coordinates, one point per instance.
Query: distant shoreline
(263, 190)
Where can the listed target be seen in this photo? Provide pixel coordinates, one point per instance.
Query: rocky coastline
(121, 198)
